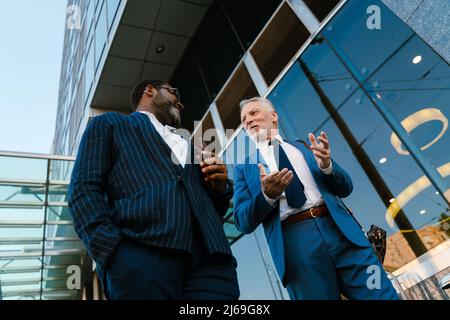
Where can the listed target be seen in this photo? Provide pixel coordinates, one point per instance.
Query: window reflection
(366, 48)
(302, 102)
(254, 282)
(390, 188)
(417, 92)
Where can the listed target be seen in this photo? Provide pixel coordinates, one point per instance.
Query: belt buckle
(311, 212)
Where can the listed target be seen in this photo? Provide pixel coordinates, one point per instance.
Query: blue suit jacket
(251, 208)
(124, 185)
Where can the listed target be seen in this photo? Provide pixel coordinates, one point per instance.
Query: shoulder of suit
(110, 118)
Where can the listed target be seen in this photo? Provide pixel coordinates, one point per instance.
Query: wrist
(270, 195)
(327, 169)
(325, 165)
(269, 200)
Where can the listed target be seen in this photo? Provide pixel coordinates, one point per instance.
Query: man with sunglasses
(149, 216)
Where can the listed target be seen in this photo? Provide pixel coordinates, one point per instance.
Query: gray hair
(263, 101)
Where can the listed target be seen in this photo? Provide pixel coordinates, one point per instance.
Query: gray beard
(171, 112)
(175, 117)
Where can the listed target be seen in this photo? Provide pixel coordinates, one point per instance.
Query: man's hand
(274, 184)
(321, 150)
(214, 172)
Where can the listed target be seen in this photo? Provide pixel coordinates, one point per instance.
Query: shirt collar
(265, 144)
(159, 126)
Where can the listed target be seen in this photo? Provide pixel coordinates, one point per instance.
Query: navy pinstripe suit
(124, 185)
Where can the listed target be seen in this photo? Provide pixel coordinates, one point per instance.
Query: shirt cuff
(269, 200)
(328, 170)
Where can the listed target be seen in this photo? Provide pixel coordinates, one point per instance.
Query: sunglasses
(173, 91)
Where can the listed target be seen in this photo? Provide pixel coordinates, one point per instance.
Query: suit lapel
(154, 141)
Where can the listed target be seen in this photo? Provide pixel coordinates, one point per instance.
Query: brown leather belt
(311, 213)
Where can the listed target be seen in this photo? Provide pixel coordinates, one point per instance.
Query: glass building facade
(39, 249)
(380, 92)
(88, 34)
(360, 95)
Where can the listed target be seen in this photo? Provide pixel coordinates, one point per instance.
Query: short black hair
(139, 89)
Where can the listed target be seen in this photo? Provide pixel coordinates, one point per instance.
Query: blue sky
(31, 35)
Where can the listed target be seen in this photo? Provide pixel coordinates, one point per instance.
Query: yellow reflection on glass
(415, 120)
(411, 191)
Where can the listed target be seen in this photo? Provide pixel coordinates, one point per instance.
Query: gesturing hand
(214, 172)
(321, 149)
(274, 184)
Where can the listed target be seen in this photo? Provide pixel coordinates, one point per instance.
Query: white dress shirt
(312, 193)
(177, 144)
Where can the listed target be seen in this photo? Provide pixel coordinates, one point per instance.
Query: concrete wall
(430, 19)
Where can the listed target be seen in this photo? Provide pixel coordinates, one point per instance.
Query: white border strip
(305, 15)
(255, 73)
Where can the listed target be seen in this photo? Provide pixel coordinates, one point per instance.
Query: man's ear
(275, 116)
(149, 90)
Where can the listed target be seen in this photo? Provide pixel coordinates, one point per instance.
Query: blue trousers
(322, 264)
(139, 271)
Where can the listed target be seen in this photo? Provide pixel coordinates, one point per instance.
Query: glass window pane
(89, 75)
(112, 6)
(90, 22)
(318, 93)
(414, 83)
(17, 193)
(393, 178)
(248, 17)
(24, 229)
(61, 170)
(295, 93)
(196, 99)
(58, 213)
(101, 33)
(378, 44)
(254, 282)
(22, 214)
(22, 168)
(214, 31)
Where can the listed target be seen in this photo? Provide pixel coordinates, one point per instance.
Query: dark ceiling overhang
(145, 26)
